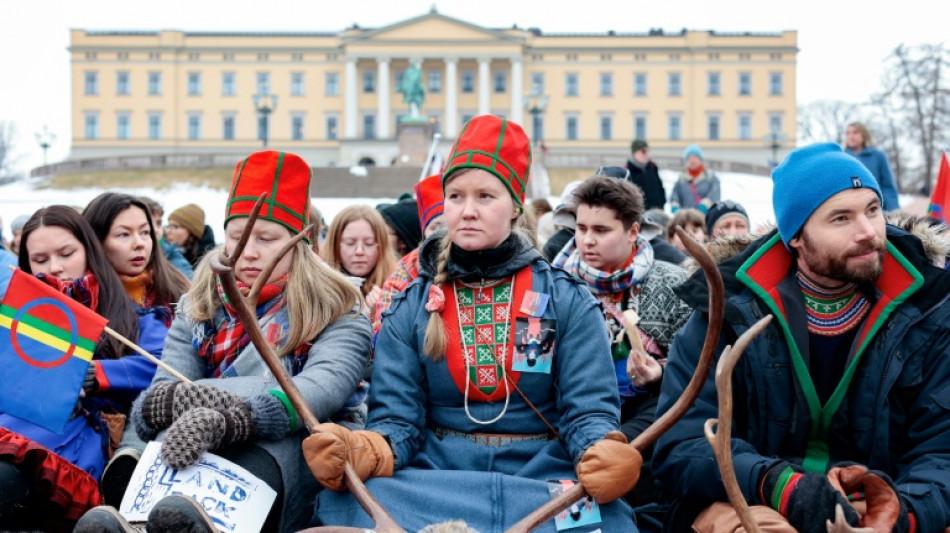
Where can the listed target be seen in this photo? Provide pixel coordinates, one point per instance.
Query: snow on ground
(753, 192)
(22, 198)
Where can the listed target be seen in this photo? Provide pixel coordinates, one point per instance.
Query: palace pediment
(431, 27)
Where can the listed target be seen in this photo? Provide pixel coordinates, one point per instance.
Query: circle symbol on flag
(73, 326)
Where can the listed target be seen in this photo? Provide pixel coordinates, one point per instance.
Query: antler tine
(245, 235)
(272, 264)
(719, 432)
(717, 303)
(840, 525)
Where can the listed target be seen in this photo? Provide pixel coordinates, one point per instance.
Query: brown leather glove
(885, 512)
(332, 445)
(610, 468)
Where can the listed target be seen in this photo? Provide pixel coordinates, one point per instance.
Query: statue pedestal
(414, 139)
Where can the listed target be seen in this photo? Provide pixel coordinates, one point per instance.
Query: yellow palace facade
(332, 96)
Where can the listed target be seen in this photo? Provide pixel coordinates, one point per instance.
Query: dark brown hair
(169, 284)
(114, 304)
(623, 197)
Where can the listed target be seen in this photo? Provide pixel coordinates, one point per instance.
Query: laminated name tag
(583, 512)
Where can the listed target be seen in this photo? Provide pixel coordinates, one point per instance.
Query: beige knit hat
(191, 217)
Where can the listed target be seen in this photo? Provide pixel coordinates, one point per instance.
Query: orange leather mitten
(610, 468)
(332, 445)
(885, 511)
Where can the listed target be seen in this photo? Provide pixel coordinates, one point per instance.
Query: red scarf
(228, 339)
(695, 172)
(84, 289)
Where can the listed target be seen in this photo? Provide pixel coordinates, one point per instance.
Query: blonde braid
(435, 341)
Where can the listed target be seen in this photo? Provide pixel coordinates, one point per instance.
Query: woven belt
(489, 439)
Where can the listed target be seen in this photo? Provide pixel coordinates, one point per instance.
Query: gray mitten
(201, 429)
(156, 407)
(167, 401)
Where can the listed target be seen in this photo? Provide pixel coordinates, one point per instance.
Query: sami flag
(940, 198)
(46, 343)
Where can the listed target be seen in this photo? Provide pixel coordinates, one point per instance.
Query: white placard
(237, 501)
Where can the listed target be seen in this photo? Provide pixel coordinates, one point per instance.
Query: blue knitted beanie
(693, 150)
(809, 176)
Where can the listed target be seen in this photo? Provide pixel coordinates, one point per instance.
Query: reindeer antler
(717, 301)
(840, 525)
(223, 266)
(719, 431)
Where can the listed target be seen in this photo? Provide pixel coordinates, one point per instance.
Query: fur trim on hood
(934, 237)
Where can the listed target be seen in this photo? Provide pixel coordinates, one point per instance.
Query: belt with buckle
(489, 439)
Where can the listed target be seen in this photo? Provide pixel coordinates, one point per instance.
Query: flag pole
(138, 349)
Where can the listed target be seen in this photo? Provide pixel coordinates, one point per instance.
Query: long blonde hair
(385, 262)
(316, 296)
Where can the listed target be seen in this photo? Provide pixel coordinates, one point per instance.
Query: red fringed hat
(496, 145)
(429, 199)
(284, 177)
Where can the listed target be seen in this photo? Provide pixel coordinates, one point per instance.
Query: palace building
(332, 96)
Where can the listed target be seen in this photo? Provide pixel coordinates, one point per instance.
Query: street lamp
(535, 104)
(45, 139)
(774, 141)
(265, 103)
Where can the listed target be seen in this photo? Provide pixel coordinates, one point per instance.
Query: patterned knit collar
(832, 312)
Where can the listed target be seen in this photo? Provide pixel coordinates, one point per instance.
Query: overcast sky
(842, 44)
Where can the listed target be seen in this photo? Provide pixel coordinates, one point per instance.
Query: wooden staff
(662, 424)
(223, 266)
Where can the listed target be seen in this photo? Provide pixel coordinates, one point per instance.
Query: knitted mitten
(806, 500)
(202, 429)
(191, 395)
(167, 401)
(156, 407)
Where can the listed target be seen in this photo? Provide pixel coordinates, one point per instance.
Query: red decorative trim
(453, 351)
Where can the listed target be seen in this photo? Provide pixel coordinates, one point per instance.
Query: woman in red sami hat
(492, 377)
(235, 408)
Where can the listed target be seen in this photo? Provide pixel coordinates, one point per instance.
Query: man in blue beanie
(697, 186)
(844, 399)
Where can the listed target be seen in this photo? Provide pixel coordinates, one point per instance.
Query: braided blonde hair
(435, 341)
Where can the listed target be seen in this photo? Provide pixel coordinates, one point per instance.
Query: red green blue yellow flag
(46, 343)
(940, 198)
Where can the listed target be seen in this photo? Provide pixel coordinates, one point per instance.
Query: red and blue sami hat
(496, 145)
(429, 199)
(285, 177)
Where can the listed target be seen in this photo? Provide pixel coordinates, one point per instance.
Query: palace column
(484, 107)
(349, 99)
(451, 97)
(382, 104)
(517, 91)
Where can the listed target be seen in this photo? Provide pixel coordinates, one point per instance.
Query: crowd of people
(471, 353)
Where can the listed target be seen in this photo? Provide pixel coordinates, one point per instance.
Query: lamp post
(45, 139)
(774, 141)
(535, 104)
(265, 103)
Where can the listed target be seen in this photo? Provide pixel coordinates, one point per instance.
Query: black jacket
(648, 179)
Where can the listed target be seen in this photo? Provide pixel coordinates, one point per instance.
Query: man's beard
(835, 266)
